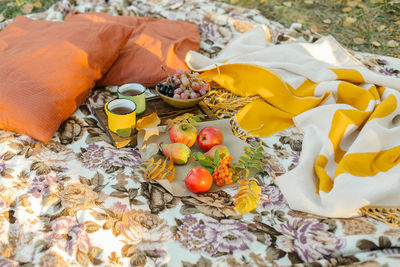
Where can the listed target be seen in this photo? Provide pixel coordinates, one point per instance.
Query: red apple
(184, 133)
(198, 180)
(209, 137)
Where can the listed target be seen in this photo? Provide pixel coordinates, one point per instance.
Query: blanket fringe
(389, 215)
(225, 104)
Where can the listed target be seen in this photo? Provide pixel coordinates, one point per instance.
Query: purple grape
(202, 91)
(193, 95)
(177, 81)
(184, 96)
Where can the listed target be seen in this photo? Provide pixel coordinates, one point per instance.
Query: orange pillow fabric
(49, 68)
(154, 42)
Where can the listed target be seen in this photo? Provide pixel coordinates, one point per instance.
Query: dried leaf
(359, 40)
(353, 3)
(381, 28)
(347, 9)
(27, 8)
(349, 21)
(159, 169)
(37, 4)
(376, 44)
(392, 44)
(149, 121)
(327, 21)
(288, 4)
(248, 195)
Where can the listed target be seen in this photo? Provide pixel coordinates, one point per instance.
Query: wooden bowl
(180, 103)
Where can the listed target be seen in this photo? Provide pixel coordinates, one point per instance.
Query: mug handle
(106, 110)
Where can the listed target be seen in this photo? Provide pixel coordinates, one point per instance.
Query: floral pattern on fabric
(78, 201)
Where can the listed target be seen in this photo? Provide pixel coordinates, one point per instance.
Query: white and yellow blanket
(350, 117)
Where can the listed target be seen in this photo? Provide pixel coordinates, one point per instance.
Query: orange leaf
(149, 121)
(159, 170)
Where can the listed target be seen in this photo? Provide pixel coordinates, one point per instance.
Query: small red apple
(209, 137)
(184, 133)
(198, 180)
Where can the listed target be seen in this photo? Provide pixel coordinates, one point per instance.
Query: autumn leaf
(149, 121)
(187, 118)
(27, 8)
(248, 195)
(37, 4)
(160, 169)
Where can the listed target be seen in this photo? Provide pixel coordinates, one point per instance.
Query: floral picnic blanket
(78, 201)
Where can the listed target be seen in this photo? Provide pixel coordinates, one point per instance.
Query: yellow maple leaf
(149, 121)
(248, 195)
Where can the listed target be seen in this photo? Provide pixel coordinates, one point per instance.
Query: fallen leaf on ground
(347, 9)
(149, 121)
(392, 44)
(314, 27)
(288, 4)
(353, 3)
(349, 21)
(327, 21)
(359, 40)
(381, 28)
(37, 3)
(308, 2)
(397, 22)
(376, 44)
(27, 8)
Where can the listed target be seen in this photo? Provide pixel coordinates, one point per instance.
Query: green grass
(375, 20)
(10, 9)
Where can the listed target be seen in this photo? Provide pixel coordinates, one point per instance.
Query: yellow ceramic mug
(121, 115)
(136, 93)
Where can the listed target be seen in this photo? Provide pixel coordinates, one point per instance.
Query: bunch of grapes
(184, 85)
(221, 174)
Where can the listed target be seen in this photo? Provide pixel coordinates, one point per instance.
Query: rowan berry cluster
(221, 174)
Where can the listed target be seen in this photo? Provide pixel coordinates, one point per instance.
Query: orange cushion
(49, 68)
(154, 42)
